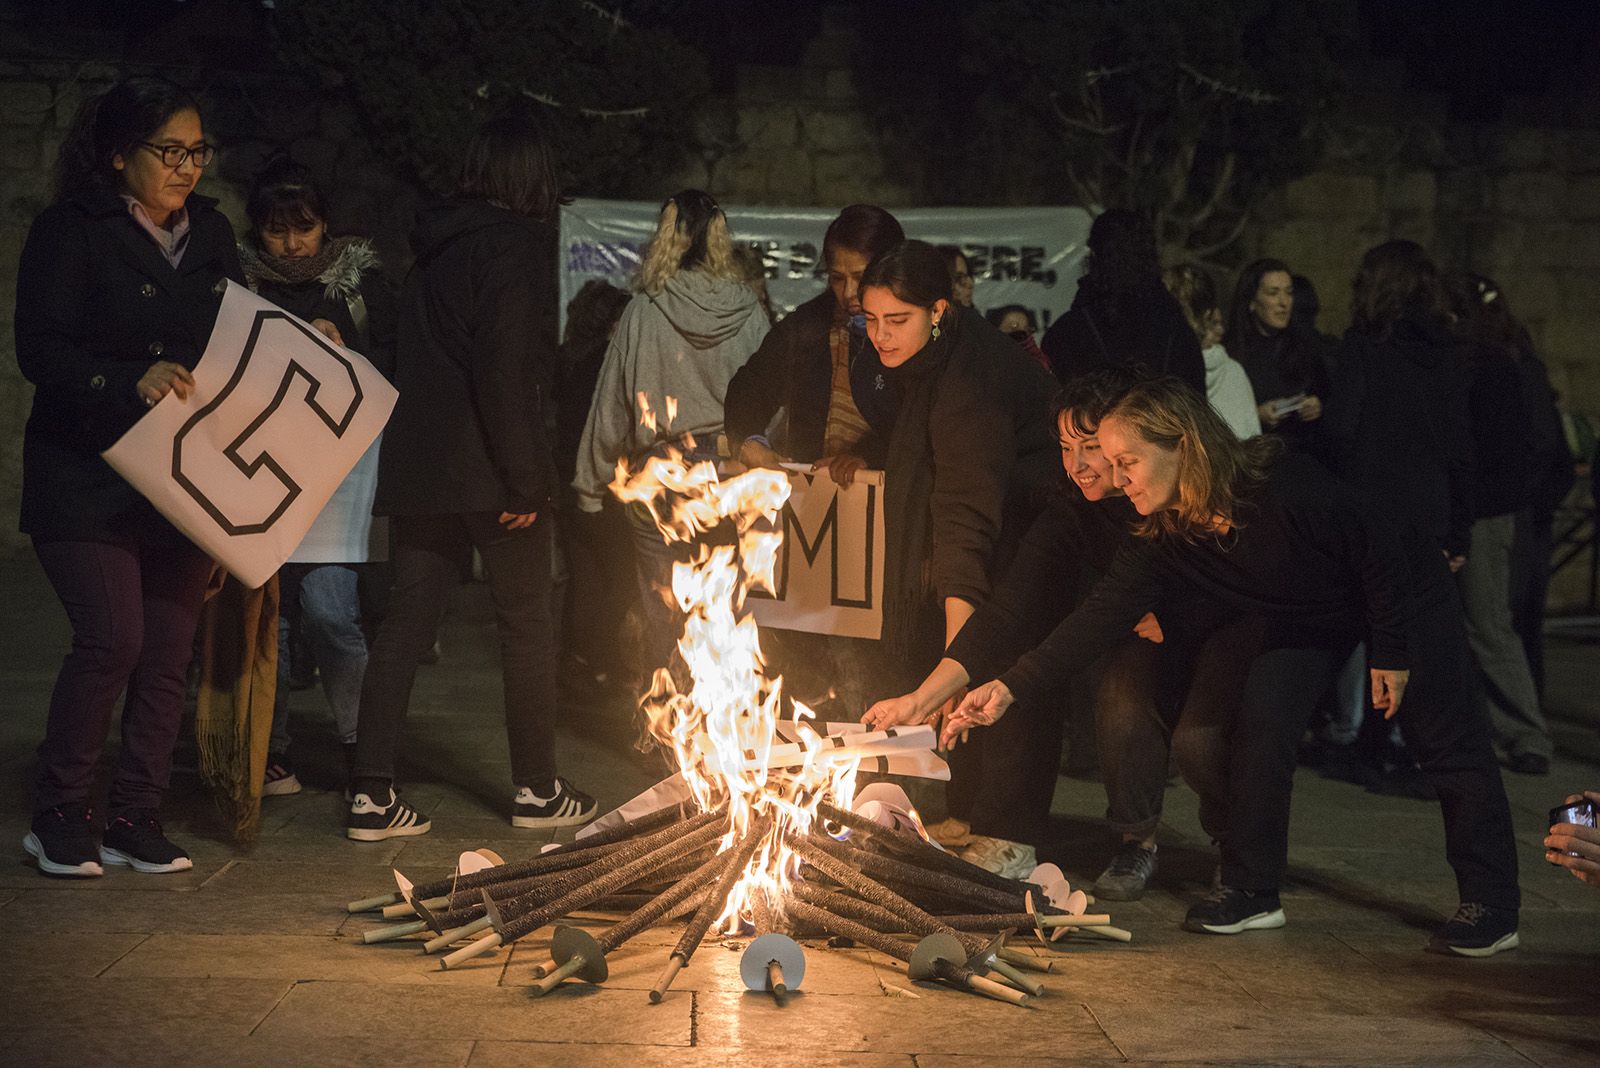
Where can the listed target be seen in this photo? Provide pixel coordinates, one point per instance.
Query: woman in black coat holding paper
(117, 291)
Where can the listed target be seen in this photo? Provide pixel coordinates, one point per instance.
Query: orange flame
(722, 728)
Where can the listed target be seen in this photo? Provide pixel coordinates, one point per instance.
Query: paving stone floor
(251, 959)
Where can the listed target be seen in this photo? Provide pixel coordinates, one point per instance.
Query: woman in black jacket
(117, 291)
(336, 285)
(1122, 316)
(1286, 361)
(1274, 535)
(971, 460)
(466, 463)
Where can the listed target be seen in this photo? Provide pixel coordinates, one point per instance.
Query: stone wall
(1519, 205)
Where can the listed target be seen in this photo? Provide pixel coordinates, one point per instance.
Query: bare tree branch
(1223, 182)
(1233, 235)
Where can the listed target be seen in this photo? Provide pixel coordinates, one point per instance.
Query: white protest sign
(278, 416)
(1026, 256)
(829, 574)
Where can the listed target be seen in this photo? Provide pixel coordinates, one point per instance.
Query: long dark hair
(1241, 321)
(113, 124)
(510, 163)
(1122, 254)
(913, 271)
(284, 192)
(1395, 280)
(863, 228)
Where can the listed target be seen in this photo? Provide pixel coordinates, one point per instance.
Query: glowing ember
(723, 728)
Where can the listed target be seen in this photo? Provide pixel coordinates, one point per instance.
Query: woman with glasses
(117, 291)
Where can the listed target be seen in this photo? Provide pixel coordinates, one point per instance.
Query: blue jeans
(330, 613)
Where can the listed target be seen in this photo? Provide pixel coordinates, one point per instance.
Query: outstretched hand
(982, 707)
(895, 712)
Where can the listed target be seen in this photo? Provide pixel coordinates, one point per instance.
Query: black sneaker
(372, 822)
(1226, 911)
(1477, 931)
(1127, 875)
(570, 807)
(280, 778)
(64, 842)
(134, 838)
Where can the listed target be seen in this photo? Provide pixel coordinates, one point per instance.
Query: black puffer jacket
(476, 352)
(97, 304)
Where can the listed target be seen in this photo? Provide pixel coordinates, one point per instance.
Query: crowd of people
(1217, 535)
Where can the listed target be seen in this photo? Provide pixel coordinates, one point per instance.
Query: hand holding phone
(1574, 839)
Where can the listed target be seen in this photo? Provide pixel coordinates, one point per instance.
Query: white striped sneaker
(372, 822)
(568, 808)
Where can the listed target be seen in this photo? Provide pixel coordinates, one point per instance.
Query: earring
(936, 330)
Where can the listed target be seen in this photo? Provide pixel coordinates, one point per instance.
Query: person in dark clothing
(970, 462)
(1503, 451)
(1139, 686)
(466, 463)
(817, 368)
(1548, 467)
(1287, 363)
(1270, 533)
(1122, 315)
(337, 286)
(597, 546)
(118, 288)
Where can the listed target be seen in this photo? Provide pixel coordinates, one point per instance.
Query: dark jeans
(430, 552)
(133, 610)
(1445, 724)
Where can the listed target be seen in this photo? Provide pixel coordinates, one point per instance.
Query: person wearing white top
(1228, 387)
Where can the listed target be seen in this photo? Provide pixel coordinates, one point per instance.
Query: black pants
(133, 611)
(1444, 722)
(429, 554)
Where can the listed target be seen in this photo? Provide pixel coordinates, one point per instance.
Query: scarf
(338, 266)
(913, 625)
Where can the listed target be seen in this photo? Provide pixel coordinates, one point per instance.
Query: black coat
(1291, 361)
(793, 370)
(475, 358)
(1401, 434)
(972, 460)
(97, 304)
(1143, 331)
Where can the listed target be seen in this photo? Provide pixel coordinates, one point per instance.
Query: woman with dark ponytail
(117, 291)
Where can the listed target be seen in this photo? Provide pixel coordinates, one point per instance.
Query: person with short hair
(466, 464)
(118, 288)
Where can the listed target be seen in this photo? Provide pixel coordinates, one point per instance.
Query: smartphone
(1579, 813)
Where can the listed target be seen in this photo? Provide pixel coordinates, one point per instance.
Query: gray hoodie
(685, 343)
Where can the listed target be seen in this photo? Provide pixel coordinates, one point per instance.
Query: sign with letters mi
(278, 417)
(829, 576)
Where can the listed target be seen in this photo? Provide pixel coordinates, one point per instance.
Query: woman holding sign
(117, 291)
(971, 461)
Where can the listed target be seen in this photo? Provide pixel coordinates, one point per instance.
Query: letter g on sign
(273, 418)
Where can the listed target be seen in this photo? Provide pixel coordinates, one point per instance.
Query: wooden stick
(377, 901)
(394, 932)
(487, 944)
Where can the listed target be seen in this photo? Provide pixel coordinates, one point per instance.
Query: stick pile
(887, 889)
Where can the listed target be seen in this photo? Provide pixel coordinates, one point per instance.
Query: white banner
(1026, 256)
(278, 416)
(829, 575)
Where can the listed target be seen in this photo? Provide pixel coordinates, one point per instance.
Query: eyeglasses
(174, 155)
